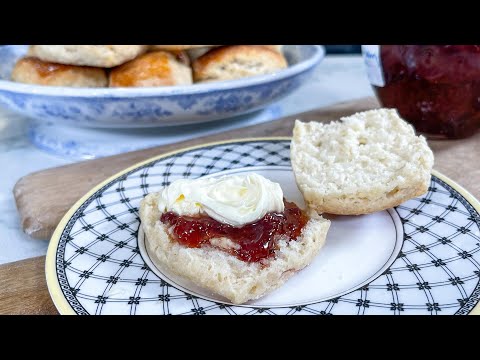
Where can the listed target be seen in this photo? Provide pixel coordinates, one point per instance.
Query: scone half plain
(364, 163)
(222, 273)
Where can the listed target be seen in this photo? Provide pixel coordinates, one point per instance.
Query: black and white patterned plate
(419, 258)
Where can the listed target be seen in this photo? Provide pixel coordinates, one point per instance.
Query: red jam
(436, 88)
(257, 241)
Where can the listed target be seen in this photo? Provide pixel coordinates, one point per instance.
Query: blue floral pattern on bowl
(151, 107)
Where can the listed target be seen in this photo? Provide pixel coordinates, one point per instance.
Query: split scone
(364, 163)
(235, 235)
(30, 70)
(104, 56)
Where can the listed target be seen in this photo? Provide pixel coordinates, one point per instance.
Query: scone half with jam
(234, 235)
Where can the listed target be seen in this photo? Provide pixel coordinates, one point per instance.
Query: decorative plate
(421, 258)
(153, 106)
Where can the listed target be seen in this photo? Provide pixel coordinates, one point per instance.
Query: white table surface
(337, 78)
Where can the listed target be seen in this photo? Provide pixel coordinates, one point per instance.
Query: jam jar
(434, 87)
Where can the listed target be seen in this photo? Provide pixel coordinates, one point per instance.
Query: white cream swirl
(236, 200)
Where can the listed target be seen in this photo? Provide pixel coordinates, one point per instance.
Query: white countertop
(337, 78)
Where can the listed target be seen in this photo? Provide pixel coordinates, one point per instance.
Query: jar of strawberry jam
(435, 87)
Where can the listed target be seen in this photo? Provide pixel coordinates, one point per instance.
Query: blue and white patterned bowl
(153, 107)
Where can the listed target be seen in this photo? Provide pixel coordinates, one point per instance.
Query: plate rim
(54, 290)
(125, 93)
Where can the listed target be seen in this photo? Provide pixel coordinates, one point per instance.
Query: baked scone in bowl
(168, 98)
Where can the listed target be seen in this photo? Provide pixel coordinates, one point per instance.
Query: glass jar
(434, 87)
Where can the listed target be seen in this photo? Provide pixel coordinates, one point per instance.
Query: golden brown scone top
(44, 68)
(158, 68)
(31, 70)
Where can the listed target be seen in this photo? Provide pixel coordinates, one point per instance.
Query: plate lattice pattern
(100, 270)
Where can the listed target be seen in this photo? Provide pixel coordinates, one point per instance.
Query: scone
(367, 162)
(237, 61)
(227, 266)
(195, 53)
(105, 56)
(178, 47)
(31, 70)
(277, 48)
(158, 68)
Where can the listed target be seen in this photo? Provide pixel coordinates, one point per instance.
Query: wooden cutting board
(43, 198)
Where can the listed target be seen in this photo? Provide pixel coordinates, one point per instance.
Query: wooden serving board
(44, 197)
